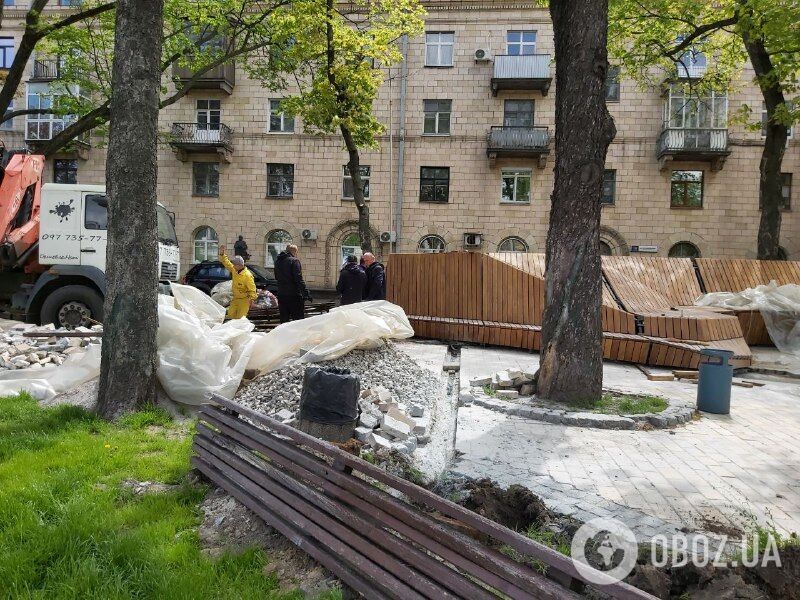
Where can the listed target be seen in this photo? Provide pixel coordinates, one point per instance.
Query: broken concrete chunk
(284, 414)
(514, 373)
(377, 441)
(507, 394)
(526, 390)
(518, 381)
(420, 426)
(368, 420)
(363, 433)
(416, 410)
(480, 381)
(383, 394)
(385, 406)
(395, 427)
(398, 414)
(73, 350)
(365, 393)
(465, 397)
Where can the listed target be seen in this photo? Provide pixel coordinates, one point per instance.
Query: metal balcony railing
(518, 139)
(189, 135)
(686, 141)
(690, 71)
(46, 69)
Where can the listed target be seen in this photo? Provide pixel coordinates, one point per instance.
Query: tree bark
(128, 367)
(770, 186)
(571, 366)
(354, 165)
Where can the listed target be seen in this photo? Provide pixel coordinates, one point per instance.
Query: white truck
(65, 282)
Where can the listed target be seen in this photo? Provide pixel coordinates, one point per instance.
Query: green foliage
(67, 529)
(622, 404)
(337, 89)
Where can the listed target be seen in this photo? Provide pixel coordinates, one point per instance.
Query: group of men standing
(362, 281)
(357, 282)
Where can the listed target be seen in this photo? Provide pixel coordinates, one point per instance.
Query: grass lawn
(68, 530)
(623, 404)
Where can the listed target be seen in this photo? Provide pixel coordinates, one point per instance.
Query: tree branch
(27, 111)
(78, 17)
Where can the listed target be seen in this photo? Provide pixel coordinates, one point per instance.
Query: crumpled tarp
(222, 293)
(199, 355)
(779, 307)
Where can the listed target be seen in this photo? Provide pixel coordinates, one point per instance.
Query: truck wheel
(72, 306)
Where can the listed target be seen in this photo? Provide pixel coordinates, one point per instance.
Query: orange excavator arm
(20, 205)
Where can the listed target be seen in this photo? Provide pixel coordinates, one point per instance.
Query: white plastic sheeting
(199, 355)
(779, 307)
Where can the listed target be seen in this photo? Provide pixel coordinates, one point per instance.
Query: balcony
(222, 78)
(523, 72)
(46, 69)
(690, 71)
(193, 138)
(699, 145)
(518, 142)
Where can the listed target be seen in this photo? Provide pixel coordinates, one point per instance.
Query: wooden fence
(647, 302)
(387, 540)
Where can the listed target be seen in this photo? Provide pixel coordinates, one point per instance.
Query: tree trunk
(128, 367)
(769, 190)
(571, 366)
(354, 165)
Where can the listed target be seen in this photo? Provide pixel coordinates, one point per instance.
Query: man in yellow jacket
(243, 285)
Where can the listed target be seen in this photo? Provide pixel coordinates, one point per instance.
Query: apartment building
(466, 161)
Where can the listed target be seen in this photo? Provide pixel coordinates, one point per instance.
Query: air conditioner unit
(309, 234)
(472, 240)
(388, 237)
(482, 55)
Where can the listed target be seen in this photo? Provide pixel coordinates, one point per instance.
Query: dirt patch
(141, 488)
(515, 507)
(229, 526)
(714, 525)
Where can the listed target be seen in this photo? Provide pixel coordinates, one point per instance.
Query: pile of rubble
(397, 395)
(507, 385)
(20, 352)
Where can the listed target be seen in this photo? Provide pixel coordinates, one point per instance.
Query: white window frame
(211, 116)
(285, 119)
(687, 108)
(512, 239)
(55, 123)
(516, 174)
(277, 245)
(433, 39)
(522, 44)
(364, 178)
(283, 175)
(437, 113)
(207, 242)
(425, 247)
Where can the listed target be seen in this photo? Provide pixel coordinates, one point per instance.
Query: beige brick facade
(725, 226)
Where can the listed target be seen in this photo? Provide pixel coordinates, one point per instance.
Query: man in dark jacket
(240, 248)
(352, 280)
(292, 290)
(376, 278)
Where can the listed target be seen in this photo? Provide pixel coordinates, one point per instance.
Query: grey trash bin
(716, 376)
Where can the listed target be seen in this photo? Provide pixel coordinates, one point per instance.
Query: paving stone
(378, 441)
(368, 420)
(507, 394)
(395, 427)
(481, 381)
(362, 433)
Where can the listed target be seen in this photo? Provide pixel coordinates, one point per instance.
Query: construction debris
(25, 346)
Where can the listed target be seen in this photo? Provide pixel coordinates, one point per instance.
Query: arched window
(431, 244)
(276, 243)
(512, 244)
(351, 245)
(206, 244)
(605, 249)
(684, 250)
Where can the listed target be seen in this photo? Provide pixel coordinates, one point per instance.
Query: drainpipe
(401, 147)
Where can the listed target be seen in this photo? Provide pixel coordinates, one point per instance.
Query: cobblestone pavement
(713, 475)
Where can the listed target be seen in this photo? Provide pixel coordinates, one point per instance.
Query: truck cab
(72, 244)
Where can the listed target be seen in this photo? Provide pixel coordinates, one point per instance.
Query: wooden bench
(383, 536)
(266, 319)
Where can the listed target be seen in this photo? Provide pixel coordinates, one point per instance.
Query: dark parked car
(205, 275)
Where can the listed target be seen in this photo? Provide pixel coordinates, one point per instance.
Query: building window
(520, 42)
(684, 250)
(206, 178)
(8, 2)
(686, 189)
(689, 111)
(6, 52)
(439, 49)
(431, 244)
(612, 84)
(280, 180)
(765, 122)
(786, 193)
(351, 246)
(609, 186)
(605, 249)
(8, 123)
(43, 127)
(206, 244)
(276, 243)
(70, 2)
(437, 117)
(347, 181)
(96, 213)
(434, 184)
(512, 244)
(518, 113)
(65, 171)
(208, 115)
(279, 121)
(516, 186)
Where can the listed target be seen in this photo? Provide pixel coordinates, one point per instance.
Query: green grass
(489, 390)
(68, 530)
(622, 404)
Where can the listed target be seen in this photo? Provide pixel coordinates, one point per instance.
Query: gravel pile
(394, 388)
(20, 352)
